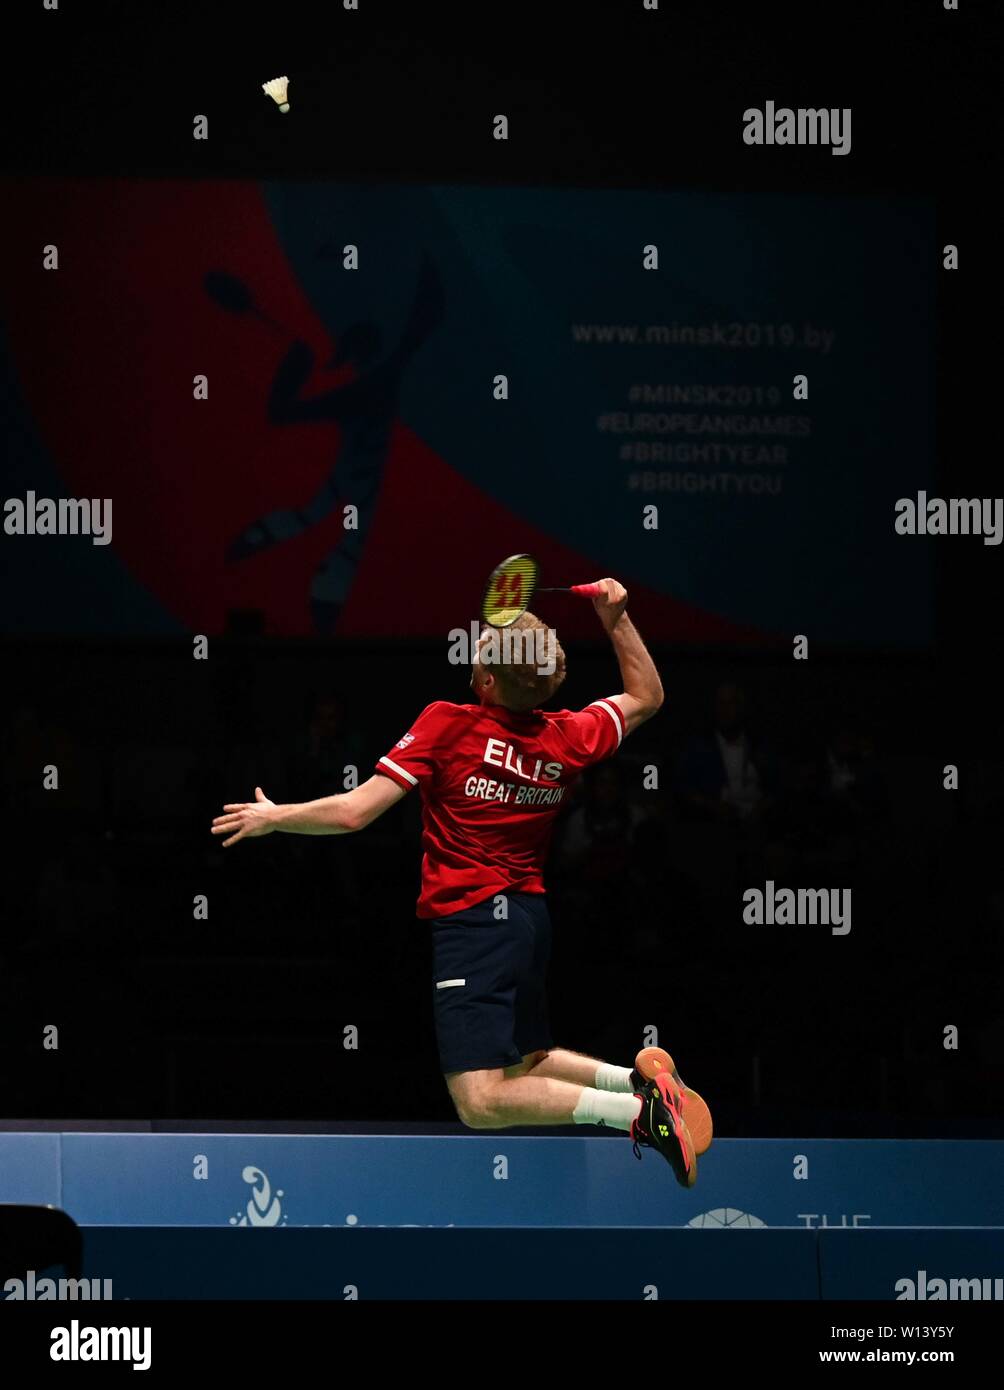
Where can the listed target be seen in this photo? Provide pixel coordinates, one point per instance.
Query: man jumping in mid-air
(492, 777)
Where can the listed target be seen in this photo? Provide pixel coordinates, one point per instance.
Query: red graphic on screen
(236, 501)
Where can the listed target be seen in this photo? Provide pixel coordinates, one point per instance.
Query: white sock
(611, 1078)
(603, 1108)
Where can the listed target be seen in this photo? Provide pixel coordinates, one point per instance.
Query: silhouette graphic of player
(365, 409)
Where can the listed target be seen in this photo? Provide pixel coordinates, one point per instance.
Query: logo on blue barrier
(812, 1217)
(352, 1220)
(263, 1207)
(726, 1216)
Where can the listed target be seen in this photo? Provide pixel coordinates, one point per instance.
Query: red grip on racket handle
(586, 590)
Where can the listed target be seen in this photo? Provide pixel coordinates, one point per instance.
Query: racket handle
(586, 590)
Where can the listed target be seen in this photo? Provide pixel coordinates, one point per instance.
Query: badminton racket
(512, 585)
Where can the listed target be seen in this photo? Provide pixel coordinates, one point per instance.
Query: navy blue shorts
(488, 983)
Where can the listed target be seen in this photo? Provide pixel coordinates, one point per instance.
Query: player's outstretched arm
(643, 693)
(330, 815)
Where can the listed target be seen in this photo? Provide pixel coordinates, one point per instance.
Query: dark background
(242, 1016)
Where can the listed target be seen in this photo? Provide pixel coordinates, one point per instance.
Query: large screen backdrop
(505, 370)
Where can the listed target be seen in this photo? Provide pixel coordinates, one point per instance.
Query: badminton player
(493, 777)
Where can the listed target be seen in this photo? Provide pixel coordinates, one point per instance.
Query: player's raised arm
(643, 693)
(329, 815)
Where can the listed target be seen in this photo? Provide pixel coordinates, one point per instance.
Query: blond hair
(516, 662)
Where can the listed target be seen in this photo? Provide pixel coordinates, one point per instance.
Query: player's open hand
(242, 820)
(610, 602)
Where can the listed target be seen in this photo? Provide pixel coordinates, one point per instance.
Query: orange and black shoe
(647, 1066)
(661, 1126)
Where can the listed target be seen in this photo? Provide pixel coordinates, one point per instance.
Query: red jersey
(492, 784)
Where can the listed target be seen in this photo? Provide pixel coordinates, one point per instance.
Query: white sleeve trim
(400, 771)
(614, 715)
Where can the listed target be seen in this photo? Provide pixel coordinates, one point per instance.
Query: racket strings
(509, 590)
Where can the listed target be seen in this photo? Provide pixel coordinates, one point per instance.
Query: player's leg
(481, 1105)
(566, 1065)
(563, 1064)
(488, 1000)
(487, 995)
(541, 1060)
(494, 1099)
(489, 1099)
(532, 1032)
(533, 1036)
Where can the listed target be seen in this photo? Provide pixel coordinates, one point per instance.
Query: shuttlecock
(277, 89)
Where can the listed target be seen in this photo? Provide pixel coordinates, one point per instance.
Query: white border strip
(400, 772)
(614, 715)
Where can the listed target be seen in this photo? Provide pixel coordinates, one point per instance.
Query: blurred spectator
(850, 785)
(726, 775)
(317, 760)
(733, 816)
(599, 833)
(323, 749)
(838, 799)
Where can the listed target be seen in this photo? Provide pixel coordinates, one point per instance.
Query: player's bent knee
(477, 1114)
(472, 1119)
(475, 1108)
